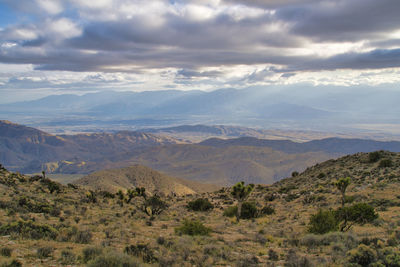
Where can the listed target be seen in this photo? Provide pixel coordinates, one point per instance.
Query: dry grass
(279, 239)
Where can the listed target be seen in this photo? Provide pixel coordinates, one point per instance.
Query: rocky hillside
(43, 223)
(27, 149)
(113, 180)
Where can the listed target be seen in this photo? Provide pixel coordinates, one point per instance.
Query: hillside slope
(47, 224)
(113, 180)
(26, 149)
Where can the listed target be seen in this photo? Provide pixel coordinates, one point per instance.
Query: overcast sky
(64, 46)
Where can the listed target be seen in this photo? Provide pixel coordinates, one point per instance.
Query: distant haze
(323, 108)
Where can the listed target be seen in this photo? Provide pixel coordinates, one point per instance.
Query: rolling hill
(113, 180)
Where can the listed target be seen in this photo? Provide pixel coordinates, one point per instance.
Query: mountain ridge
(215, 160)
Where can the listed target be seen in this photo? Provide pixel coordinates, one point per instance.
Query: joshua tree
(141, 192)
(241, 192)
(91, 196)
(121, 197)
(44, 174)
(154, 206)
(137, 192)
(342, 185)
(130, 193)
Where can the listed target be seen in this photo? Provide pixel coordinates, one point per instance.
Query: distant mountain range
(328, 145)
(302, 107)
(219, 161)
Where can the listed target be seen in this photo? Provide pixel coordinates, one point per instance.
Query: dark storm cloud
(221, 32)
(343, 20)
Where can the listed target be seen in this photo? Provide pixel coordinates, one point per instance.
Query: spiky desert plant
(241, 192)
(141, 192)
(342, 185)
(130, 193)
(154, 206)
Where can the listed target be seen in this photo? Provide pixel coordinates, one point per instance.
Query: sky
(79, 46)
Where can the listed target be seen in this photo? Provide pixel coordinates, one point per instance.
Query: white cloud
(53, 7)
(64, 28)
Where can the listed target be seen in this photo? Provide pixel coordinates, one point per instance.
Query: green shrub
(106, 194)
(267, 210)
(291, 197)
(286, 189)
(349, 199)
(114, 259)
(230, 211)
(374, 156)
(91, 253)
(190, 227)
(200, 204)
(29, 229)
(141, 251)
(249, 210)
(13, 263)
(5, 251)
(323, 222)
(83, 237)
(72, 186)
(295, 174)
(44, 252)
(385, 163)
(389, 257)
(67, 257)
(362, 255)
(273, 255)
(360, 213)
(321, 175)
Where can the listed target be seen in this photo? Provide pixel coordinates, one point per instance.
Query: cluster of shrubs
(141, 251)
(38, 207)
(200, 204)
(249, 211)
(73, 234)
(29, 229)
(342, 219)
(51, 185)
(192, 227)
(376, 156)
(365, 255)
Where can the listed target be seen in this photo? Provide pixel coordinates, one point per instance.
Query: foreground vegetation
(315, 218)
